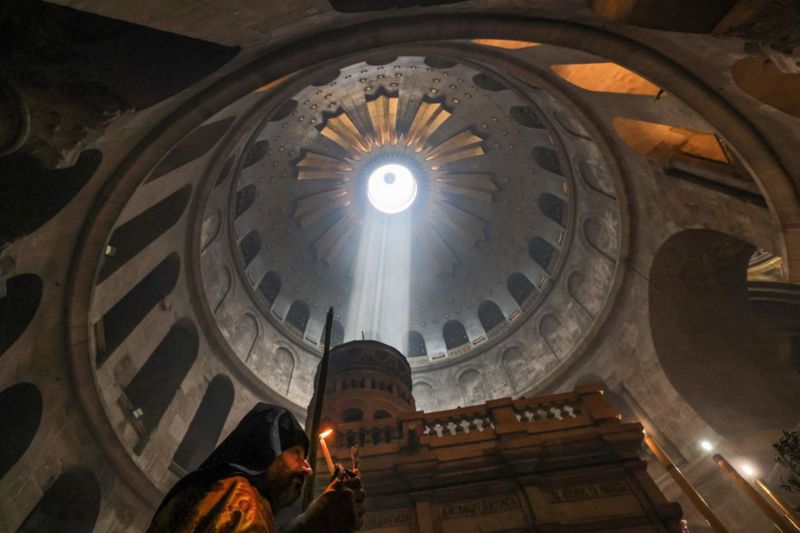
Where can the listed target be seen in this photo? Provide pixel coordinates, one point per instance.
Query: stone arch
(549, 328)
(21, 405)
(352, 415)
(472, 387)
(415, 345)
(219, 287)
(130, 310)
(193, 146)
(153, 388)
(71, 503)
(250, 245)
(708, 341)
(298, 315)
(454, 334)
(424, 396)
(520, 287)
(210, 229)
(516, 368)
(137, 233)
(18, 307)
(282, 369)
(490, 315)
(600, 238)
(206, 426)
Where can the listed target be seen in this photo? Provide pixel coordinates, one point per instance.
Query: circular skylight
(391, 188)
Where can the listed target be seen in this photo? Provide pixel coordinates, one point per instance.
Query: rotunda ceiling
(431, 201)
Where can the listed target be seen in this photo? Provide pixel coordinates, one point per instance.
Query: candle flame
(325, 434)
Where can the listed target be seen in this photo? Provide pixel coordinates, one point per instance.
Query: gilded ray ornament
(445, 219)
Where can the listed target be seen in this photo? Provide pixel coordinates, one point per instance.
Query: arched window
(152, 389)
(298, 315)
(454, 334)
(245, 198)
(520, 287)
(206, 426)
(490, 316)
(337, 334)
(196, 144)
(136, 234)
(71, 504)
(352, 415)
(250, 245)
(553, 208)
(543, 253)
(270, 286)
(17, 308)
(255, 153)
(381, 414)
(21, 405)
(129, 311)
(473, 391)
(547, 158)
(415, 345)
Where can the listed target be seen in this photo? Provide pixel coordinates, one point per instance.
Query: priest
(257, 470)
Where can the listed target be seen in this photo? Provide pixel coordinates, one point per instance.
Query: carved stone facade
(563, 462)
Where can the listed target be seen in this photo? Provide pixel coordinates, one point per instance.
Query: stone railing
(583, 407)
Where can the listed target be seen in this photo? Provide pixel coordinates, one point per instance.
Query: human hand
(339, 509)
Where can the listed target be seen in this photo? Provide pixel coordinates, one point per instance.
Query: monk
(257, 470)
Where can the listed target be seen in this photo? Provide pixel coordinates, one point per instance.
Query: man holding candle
(257, 470)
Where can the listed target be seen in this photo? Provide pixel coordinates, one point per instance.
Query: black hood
(249, 450)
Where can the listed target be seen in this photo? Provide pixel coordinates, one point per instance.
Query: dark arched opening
(554, 208)
(490, 316)
(250, 246)
(454, 334)
(206, 426)
(353, 415)
(21, 406)
(520, 287)
(245, 198)
(297, 317)
(194, 145)
(134, 235)
(708, 340)
(415, 345)
(17, 308)
(71, 504)
(155, 385)
(270, 286)
(131, 309)
(543, 253)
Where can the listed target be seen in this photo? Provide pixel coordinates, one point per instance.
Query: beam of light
(379, 302)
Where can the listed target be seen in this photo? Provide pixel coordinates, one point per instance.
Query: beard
(285, 488)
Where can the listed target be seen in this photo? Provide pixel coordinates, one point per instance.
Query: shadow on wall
(708, 340)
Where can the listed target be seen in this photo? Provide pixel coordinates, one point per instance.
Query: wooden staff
(747, 489)
(313, 436)
(698, 501)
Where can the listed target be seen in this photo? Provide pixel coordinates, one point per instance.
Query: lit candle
(324, 447)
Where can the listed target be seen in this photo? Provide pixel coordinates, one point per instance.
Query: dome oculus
(391, 188)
